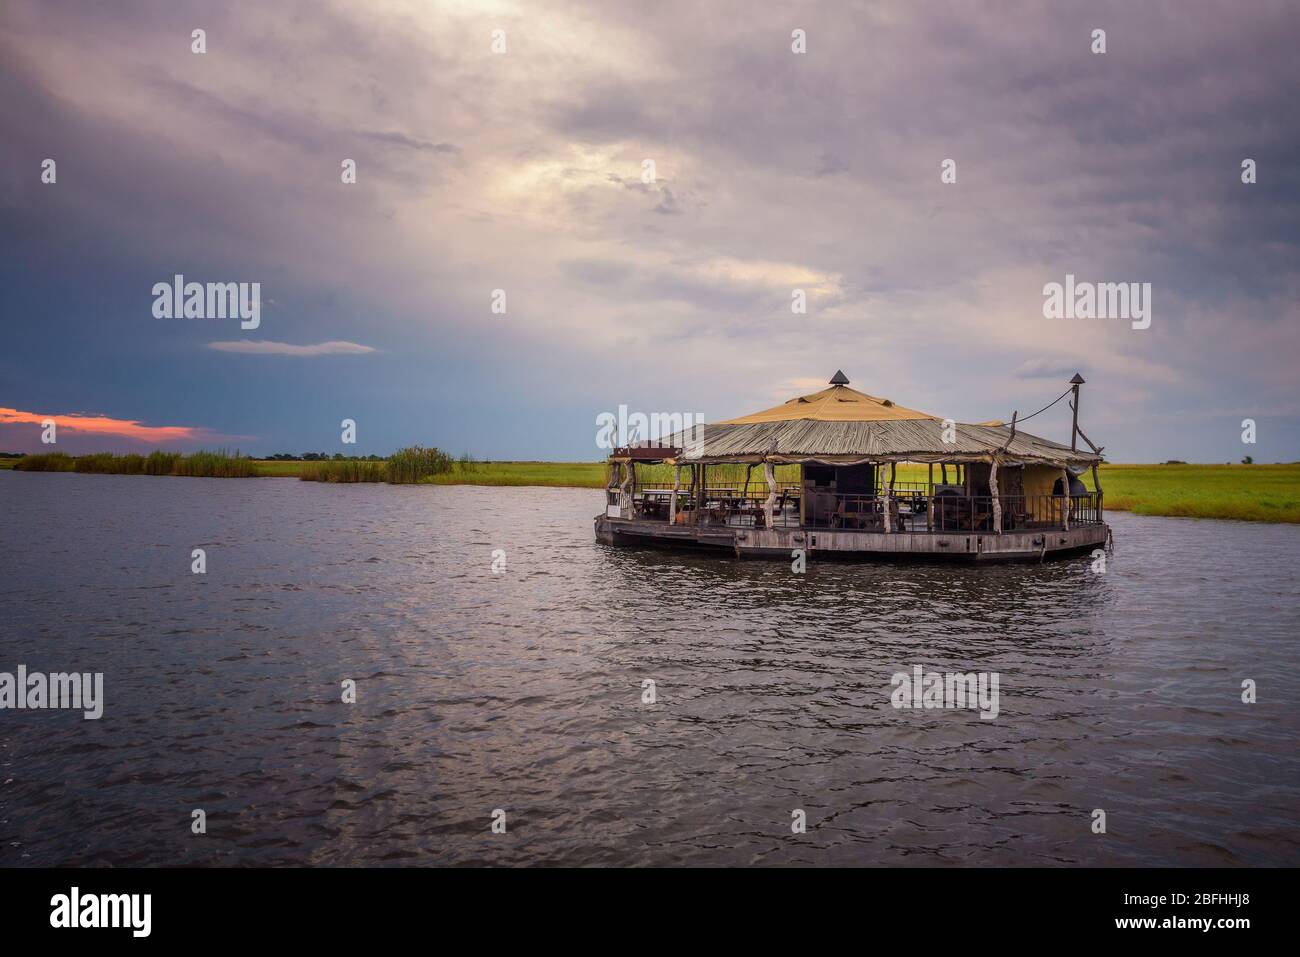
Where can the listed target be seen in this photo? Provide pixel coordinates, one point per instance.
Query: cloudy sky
(522, 171)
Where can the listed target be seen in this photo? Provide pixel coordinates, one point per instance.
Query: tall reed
(417, 462)
(217, 464)
(47, 462)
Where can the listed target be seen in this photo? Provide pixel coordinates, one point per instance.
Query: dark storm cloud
(775, 171)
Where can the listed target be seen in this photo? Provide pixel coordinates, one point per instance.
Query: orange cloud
(103, 425)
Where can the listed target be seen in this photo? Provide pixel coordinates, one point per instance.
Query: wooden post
(1096, 484)
(889, 499)
(699, 501)
(770, 475)
(624, 496)
(803, 496)
(694, 498)
(997, 501)
(943, 473)
(1065, 485)
(672, 499)
(929, 502)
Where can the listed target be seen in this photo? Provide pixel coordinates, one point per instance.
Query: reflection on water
(522, 691)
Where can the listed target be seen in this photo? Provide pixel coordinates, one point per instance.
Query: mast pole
(1074, 428)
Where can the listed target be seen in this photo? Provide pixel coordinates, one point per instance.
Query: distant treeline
(322, 457)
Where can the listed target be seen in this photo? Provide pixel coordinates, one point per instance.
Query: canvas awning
(839, 403)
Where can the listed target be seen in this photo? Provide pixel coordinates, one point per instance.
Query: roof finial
(839, 378)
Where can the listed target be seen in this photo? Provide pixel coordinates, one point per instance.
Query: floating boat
(991, 491)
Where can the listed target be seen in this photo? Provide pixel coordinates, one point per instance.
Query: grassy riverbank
(1257, 493)
(1251, 493)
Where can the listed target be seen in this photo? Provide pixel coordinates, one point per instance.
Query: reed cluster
(417, 463)
(47, 462)
(216, 464)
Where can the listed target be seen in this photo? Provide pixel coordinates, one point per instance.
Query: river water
(522, 690)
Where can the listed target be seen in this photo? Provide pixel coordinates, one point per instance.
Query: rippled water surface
(523, 690)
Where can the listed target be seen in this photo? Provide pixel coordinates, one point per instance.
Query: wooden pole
(803, 496)
(889, 499)
(695, 495)
(1065, 485)
(1096, 484)
(1074, 428)
(997, 501)
(770, 475)
(699, 501)
(624, 496)
(929, 500)
(672, 499)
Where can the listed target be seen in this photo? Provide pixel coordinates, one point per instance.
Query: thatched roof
(842, 426)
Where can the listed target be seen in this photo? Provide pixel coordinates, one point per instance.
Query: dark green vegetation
(203, 464)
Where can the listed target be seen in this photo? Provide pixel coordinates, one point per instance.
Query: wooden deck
(822, 543)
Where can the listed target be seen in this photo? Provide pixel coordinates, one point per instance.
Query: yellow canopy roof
(839, 403)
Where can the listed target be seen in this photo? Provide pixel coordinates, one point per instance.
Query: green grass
(1256, 493)
(1250, 493)
(555, 474)
(348, 470)
(278, 468)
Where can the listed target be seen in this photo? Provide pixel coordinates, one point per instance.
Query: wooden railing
(1019, 512)
(909, 510)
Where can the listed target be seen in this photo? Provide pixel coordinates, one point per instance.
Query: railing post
(672, 499)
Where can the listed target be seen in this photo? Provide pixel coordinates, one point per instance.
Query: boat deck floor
(1033, 544)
